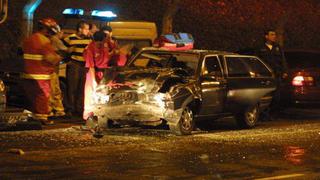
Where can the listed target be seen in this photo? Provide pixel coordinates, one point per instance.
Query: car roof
(196, 51)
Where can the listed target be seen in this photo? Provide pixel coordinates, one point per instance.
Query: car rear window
(303, 59)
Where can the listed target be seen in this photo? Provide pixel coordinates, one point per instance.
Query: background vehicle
(14, 91)
(303, 84)
(131, 36)
(179, 87)
(137, 34)
(11, 93)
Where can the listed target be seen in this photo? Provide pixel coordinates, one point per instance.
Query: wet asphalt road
(285, 149)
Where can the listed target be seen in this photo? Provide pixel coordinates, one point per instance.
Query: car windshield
(303, 59)
(185, 61)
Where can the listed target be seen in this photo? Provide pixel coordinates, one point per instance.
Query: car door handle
(266, 82)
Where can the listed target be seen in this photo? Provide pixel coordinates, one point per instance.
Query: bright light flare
(106, 14)
(2, 86)
(160, 99)
(71, 11)
(302, 81)
(100, 98)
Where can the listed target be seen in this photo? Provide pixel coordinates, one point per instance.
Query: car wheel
(249, 118)
(185, 124)
(112, 124)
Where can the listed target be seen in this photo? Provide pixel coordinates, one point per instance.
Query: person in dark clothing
(272, 54)
(76, 71)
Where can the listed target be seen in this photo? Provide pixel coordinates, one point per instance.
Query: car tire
(112, 125)
(185, 125)
(248, 118)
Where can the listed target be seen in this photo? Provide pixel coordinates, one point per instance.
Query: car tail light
(302, 81)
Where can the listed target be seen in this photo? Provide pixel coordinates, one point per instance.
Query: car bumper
(302, 96)
(141, 114)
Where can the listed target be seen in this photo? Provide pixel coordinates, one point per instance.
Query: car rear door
(213, 86)
(249, 80)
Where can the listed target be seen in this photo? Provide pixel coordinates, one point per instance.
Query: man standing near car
(76, 71)
(272, 54)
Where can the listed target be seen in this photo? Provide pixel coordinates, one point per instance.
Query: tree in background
(237, 24)
(167, 19)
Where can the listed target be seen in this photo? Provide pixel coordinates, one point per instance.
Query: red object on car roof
(175, 41)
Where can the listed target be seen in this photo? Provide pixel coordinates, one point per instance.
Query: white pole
(28, 12)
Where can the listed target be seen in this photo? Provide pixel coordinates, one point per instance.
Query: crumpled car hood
(141, 80)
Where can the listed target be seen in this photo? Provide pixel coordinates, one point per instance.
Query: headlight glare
(100, 98)
(2, 86)
(160, 99)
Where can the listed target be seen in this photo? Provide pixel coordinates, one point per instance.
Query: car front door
(250, 82)
(213, 86)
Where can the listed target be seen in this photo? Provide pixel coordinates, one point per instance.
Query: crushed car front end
(141, 97)
(131, 107)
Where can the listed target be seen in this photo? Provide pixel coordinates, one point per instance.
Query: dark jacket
(274, 58)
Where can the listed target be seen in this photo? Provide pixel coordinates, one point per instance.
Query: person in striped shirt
(76, 70)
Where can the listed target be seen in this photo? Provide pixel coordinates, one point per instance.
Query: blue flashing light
(71, 11)
(103, 14)
(30, 8)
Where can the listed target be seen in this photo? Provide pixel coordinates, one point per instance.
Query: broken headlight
(100, 98)
(161, 99)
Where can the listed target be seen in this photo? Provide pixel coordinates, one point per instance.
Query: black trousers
(76, 76)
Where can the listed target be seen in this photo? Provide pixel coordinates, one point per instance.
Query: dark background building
(215, 24)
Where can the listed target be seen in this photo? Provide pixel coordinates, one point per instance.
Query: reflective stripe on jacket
(39, 57)
(35, 57)
(36, 76)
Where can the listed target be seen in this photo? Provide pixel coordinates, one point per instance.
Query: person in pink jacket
(97, 57)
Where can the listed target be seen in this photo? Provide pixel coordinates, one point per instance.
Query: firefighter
(76, 67)
(40, 59)
(55, 104)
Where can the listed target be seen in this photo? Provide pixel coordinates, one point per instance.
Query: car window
(257, 68)
(186, 61)
(212, 66)
(237, 67)
(246, 67)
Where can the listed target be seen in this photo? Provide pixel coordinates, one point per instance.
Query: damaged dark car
(180, 87)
